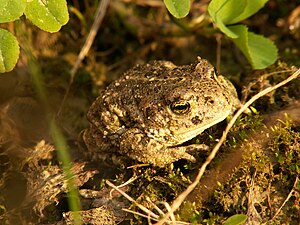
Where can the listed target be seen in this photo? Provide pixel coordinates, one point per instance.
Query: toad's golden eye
(180, 107)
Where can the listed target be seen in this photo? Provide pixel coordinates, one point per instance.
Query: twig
(150, 215)
(155, 206)
(100, 13)
(132, 200)
(285, 201)
(139, 214)
(124, 184)
(178, 201)
(253, 215)
(146, 216)
(260, 79)
(172, 216)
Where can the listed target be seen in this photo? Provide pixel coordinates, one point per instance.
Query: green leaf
(9, 51)
(11, 10)
(251, 8)
(226, 10)
(233, 11)
(241, 32)
(223, 28)
(223, 11)
(236, 219)
(260, 51)
(49, 15)
(178, 8)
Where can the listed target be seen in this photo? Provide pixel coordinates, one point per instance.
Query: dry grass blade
(285, 201)
(140, 214)
(178, 201)
(100, 13)
(172, 216)
(143, 208)
(123, 185)
(155, 206)
(150, 215)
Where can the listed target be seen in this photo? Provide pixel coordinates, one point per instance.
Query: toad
(154, 108)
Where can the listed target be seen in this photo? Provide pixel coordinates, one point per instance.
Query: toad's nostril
(209, 100)
(196, 120)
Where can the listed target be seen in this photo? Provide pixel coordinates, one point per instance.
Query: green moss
(269, 174)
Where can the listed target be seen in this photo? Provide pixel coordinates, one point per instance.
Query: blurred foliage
(49, 15)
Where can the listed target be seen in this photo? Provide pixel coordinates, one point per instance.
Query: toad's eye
(180, 107)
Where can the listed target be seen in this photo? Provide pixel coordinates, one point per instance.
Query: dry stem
(150, 215)
(285, 201)
(100, 13)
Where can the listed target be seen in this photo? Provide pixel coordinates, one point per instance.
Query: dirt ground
(255, 173)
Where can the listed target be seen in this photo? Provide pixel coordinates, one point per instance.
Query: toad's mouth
(181, 136)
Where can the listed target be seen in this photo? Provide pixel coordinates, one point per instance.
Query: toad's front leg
(140, 147)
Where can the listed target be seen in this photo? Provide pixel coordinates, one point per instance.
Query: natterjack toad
(154, 108)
